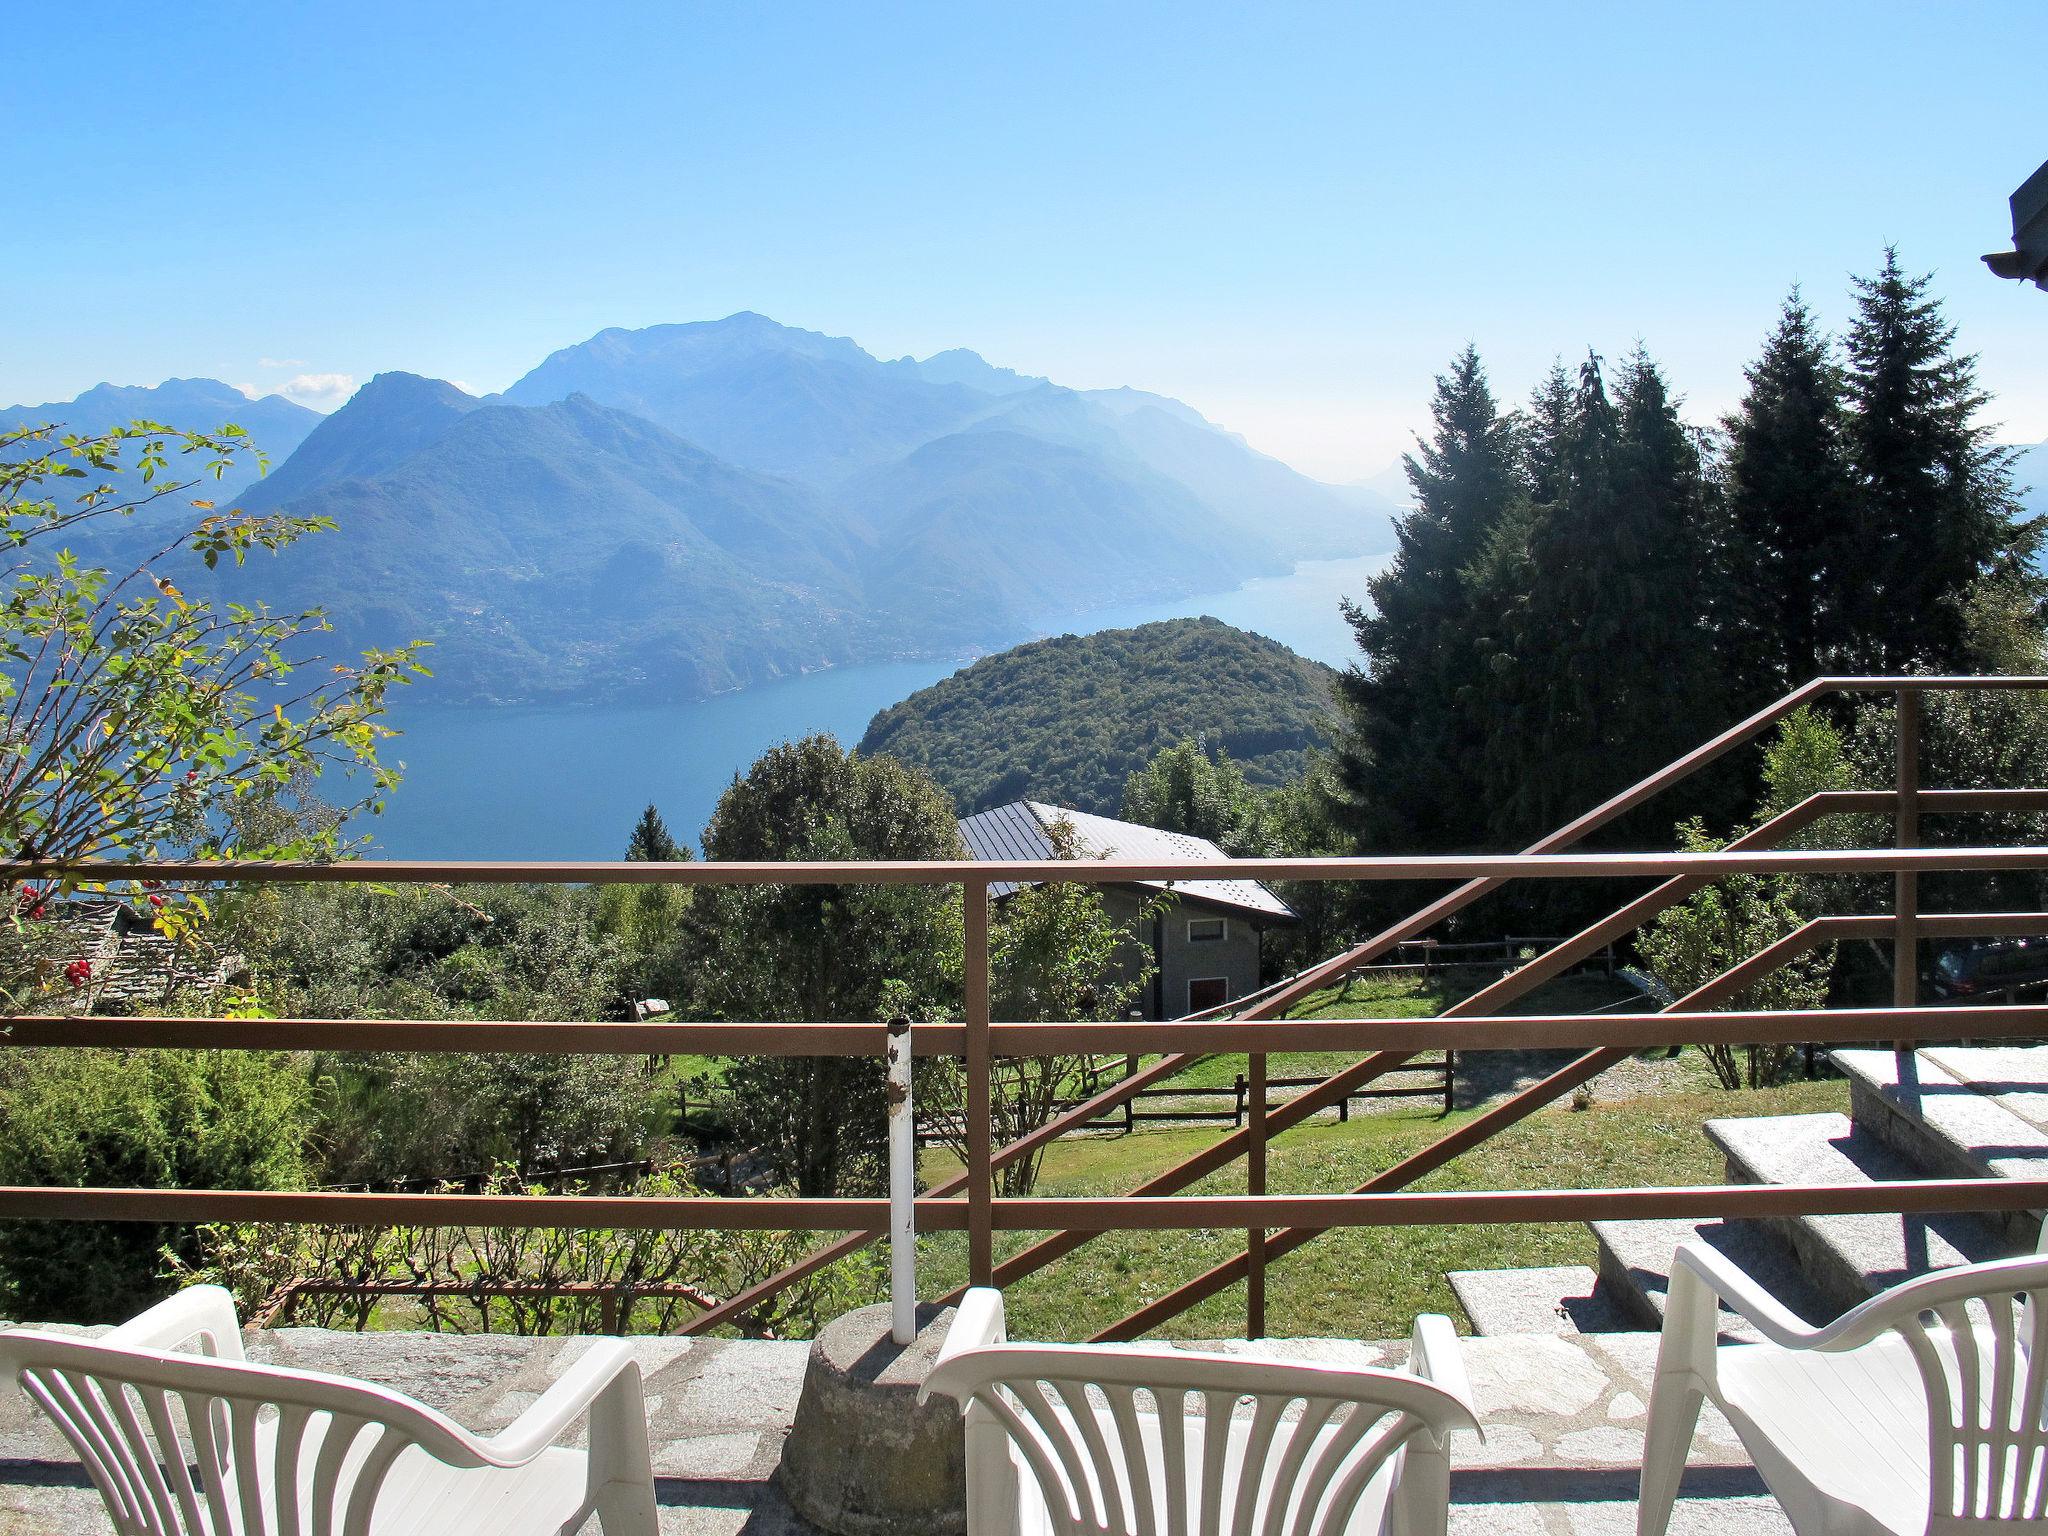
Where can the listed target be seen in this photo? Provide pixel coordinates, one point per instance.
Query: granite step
(1958, 1112)
(1563, 1298)
(1850, 1258)
(1635, 1268)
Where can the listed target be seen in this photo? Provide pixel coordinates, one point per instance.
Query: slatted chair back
(1160, 1442)
(1984, 1367)
(182, 1444)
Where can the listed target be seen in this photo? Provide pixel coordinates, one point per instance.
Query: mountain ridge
(681, 509)
(1067, 718)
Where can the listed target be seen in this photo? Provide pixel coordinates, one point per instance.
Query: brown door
(1208, 992)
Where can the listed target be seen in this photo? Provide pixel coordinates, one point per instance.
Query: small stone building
(1206, 944)
(128, 967)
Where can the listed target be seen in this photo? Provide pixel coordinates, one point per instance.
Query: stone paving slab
(1564, 1419)
(1963, 1112)
(1850, 1258)
(1562, 1298)
(2014, 1077)
(1635, 1267)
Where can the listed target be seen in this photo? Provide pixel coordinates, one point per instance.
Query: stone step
(1635, 1267)
(1850, 1258)
(1565, 1298)
(1958, 1112)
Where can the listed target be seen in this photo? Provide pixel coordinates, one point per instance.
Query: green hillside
(1067, 720)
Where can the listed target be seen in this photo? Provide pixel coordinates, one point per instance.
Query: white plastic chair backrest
(1979, 1335)
(183, 1444)
(1080, 1416)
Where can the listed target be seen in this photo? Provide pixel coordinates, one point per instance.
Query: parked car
(1990, 965)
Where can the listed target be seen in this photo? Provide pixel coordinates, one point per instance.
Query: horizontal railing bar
(1457, 1207)
(1232, 1036)
(1029, 1213)
(1529, 1031)
(1448, 866)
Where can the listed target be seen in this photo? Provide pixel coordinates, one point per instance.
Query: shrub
(145, 1119)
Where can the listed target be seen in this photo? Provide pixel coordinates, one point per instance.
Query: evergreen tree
(1790, 508)
(1604, 668)
(651, 842)
(1935, 509)
(1406, 748)
(1546, 443)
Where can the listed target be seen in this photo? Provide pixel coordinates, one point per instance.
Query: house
(122, 963)
(1206, 943)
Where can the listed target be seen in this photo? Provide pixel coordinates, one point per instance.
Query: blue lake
(561, 782)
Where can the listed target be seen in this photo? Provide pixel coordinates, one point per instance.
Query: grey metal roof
(1018, 831)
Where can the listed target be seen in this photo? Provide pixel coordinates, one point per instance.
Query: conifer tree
(1602, 669)
(1407, 753)
(1790, 505)
(1547, 440)
(651, 842)
(1935, 509)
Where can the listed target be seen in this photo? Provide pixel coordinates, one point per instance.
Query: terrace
(1562, 1400)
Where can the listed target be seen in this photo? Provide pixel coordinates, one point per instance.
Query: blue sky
(1289, 215)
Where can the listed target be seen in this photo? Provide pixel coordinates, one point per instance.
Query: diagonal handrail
(1736, 979)
(1514, 985)
(1275, 1002)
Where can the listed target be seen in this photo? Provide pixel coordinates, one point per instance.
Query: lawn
(1362, 1282)
(1403, 997)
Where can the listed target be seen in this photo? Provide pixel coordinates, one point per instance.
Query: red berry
(78, 972)
(155, 900)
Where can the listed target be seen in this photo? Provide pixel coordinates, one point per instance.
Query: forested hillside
(1068, 720)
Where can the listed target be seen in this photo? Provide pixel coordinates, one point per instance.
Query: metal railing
(1274, 1224)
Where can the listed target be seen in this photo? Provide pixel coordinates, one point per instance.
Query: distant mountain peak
(377, 428)
(959, 365)
(276, 426)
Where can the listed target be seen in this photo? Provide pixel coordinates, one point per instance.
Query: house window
(1208, 992)
(1208, 930)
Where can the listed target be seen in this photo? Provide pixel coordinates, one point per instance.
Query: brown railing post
(1906, 884)
(1255, 1184)
(981, 1262)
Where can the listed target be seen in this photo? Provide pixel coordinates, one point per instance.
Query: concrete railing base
(865, 1458)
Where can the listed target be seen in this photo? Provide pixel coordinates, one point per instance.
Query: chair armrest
(565, 1401)
(977, 1324)
(1435, 1355)
(198, 1312)
(1743, 1296)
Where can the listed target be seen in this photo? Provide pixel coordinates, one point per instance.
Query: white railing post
(902, 1188)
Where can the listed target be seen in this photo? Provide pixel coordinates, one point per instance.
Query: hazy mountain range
(677, 510)
(276, 425)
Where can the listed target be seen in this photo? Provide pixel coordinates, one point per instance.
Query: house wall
(1235, 957)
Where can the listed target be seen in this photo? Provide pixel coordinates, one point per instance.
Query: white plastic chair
(208, 1444)
(1918, 1413)
(1061, 1442)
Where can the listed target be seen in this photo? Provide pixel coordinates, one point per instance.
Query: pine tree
(1407, 752)
(1547, 441)
(1935, 509)
(1790, 506)
(1603, 666)
(651, 842)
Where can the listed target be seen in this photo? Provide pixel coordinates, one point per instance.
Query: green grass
(1401, 997)
(1361, 1282)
